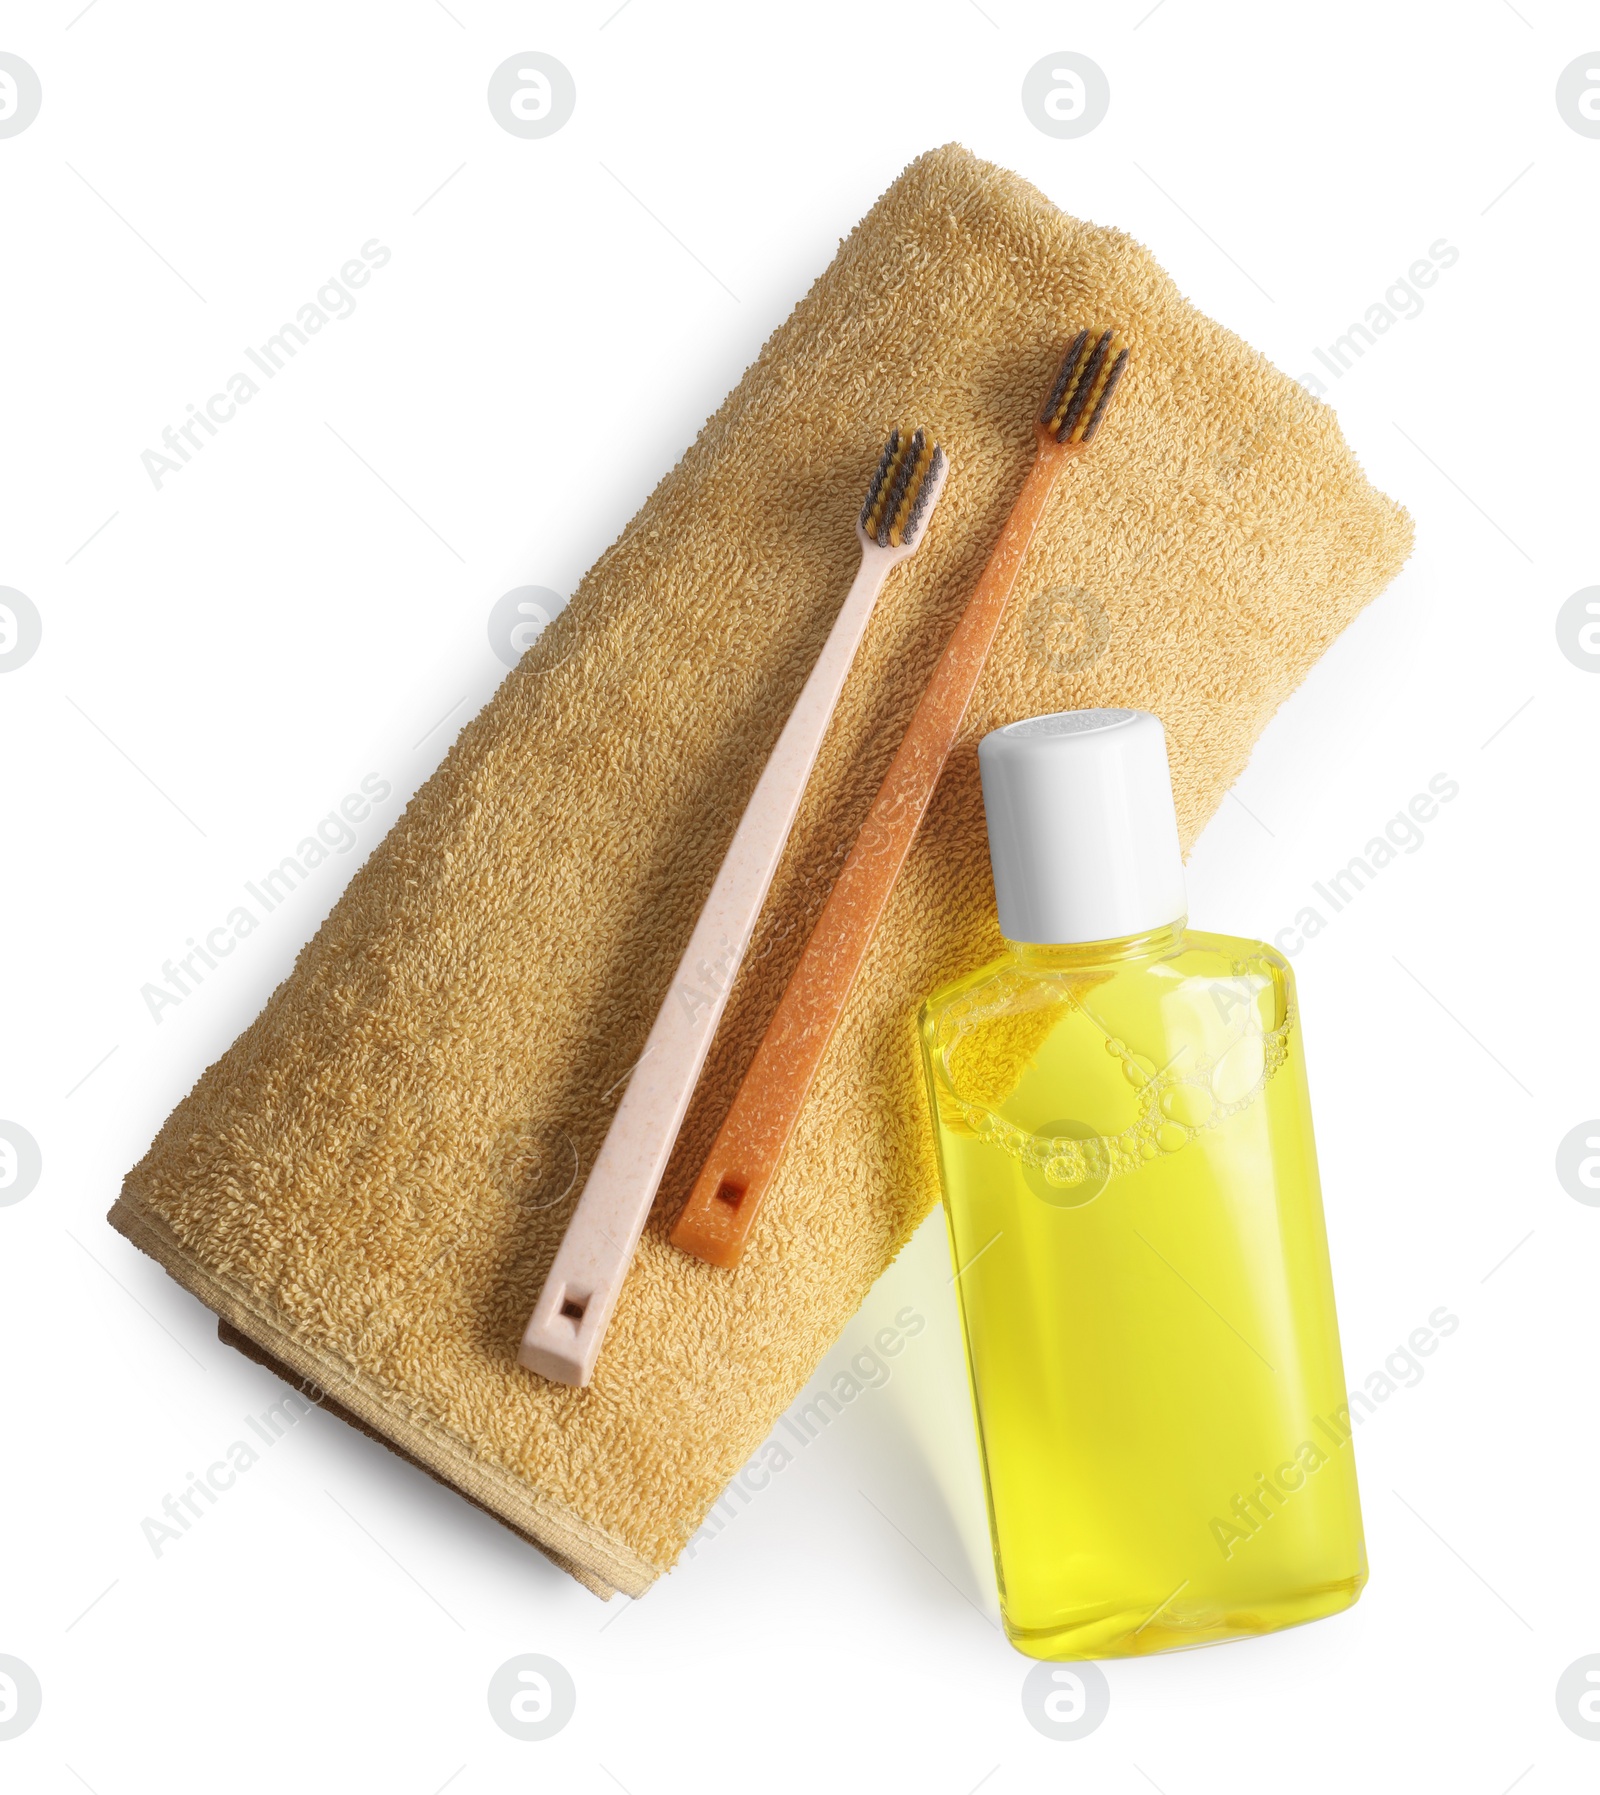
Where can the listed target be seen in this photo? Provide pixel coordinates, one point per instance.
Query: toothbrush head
(904, 490)
(1083, 389)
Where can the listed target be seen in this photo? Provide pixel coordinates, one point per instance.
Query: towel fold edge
(600, 1562)
(250, 1349)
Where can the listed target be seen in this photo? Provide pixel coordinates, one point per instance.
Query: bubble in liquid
(1138, 1070)
(1113, 1045)
(1170, 1137)
(1067, 1175)
(1189, 1104)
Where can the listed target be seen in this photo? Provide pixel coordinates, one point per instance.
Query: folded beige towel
(371, 1182)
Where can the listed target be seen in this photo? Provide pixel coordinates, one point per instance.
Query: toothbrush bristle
(1088, 377)
(903, 490)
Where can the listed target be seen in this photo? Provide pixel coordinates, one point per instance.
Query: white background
(306, 603)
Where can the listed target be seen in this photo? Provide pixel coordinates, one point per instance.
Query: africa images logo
(333, 302)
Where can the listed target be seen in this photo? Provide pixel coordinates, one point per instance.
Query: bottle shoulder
(1068, 1063)
(1025, 978)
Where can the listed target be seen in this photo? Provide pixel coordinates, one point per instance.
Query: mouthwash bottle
(1130, 1181)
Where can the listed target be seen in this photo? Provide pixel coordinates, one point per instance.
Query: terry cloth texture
(371, 1182)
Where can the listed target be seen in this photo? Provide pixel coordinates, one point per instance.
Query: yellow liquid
(1130, 1182)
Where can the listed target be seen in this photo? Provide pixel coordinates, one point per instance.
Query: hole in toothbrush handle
(716, 1221)
(562, 1338)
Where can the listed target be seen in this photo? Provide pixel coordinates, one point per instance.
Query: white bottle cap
(1082, 833)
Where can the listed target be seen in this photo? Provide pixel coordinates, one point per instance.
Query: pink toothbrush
(570, 1319)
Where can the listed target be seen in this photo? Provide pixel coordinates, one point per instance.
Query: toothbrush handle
(569, 1321)
(717, 1219)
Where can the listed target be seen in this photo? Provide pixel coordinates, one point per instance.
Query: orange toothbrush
(717, 1219)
